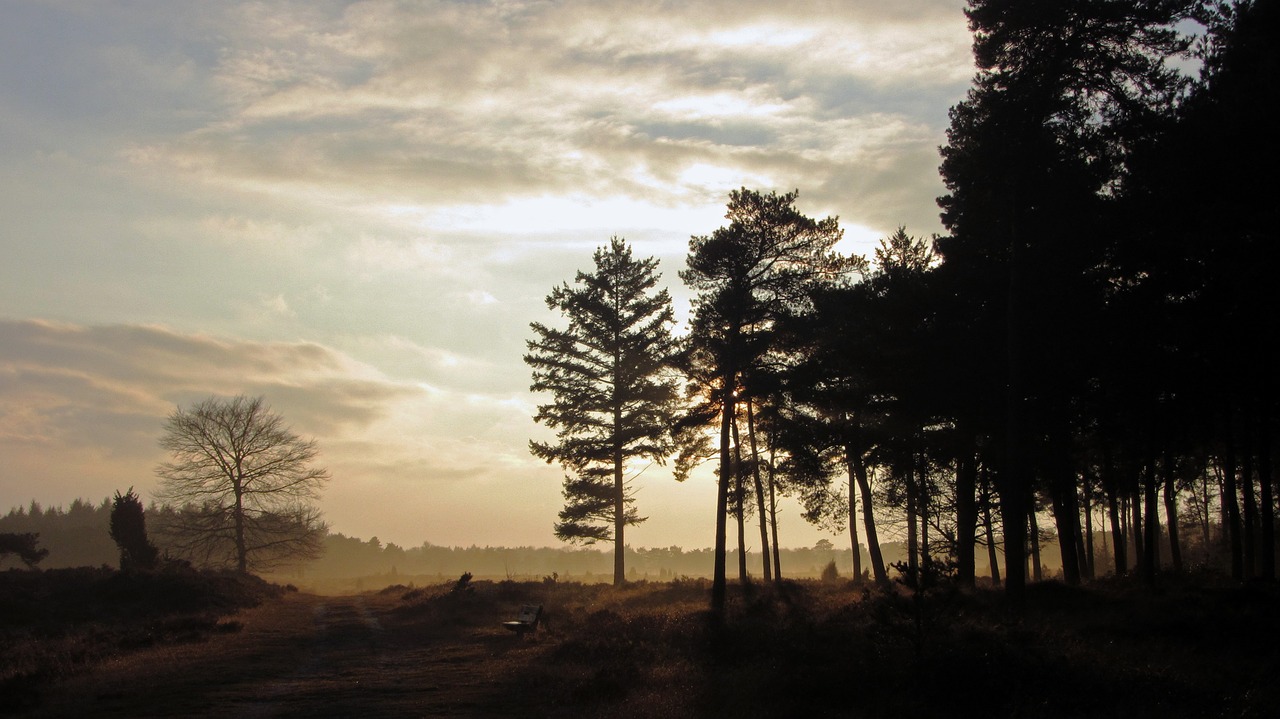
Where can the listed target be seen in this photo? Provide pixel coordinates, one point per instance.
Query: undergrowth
(824, 649)
(58, 622)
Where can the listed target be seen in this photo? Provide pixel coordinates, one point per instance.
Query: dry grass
(1192, 648)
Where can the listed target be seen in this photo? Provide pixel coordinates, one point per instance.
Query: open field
(1187, 649)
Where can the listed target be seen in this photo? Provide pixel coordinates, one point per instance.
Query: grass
(59, 622)
(1190, 648)
(1194, 646)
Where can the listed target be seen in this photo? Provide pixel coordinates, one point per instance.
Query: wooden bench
(526, 621)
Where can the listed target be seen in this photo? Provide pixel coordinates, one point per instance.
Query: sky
(355, 209)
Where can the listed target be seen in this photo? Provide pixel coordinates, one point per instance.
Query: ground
(1186, 649)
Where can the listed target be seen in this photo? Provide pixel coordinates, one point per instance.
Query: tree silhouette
(25, 545)
(241, 485)
(748, 273)
(610, 376)
(129, 531)
(1033, 155)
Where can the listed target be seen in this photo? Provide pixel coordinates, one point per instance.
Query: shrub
(129, 530)
(829, 573)
(23, 545)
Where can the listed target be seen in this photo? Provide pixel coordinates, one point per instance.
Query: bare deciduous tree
(241, 486)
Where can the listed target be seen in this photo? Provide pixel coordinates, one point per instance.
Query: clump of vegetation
(829, 573)
(463, 585)
(129, 530)
(25, 546)
(57, 622)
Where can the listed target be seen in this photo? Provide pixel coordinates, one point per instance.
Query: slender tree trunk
(1171, 509)
(1135, 524)
(722, 497)
(1205, 497)
(922, 485)
(773, 517)
(853, 514)
(1106, 549)
(242, 550)
(1062, 492)
(1151, 558)
(1013, 480)
(1250, 501)
(1033, 530)
(869, 522)
(1120, 561)
(993, 561)
(966, 516)
(1229, 496)
(1224, 521)
(760, 507)
(1086, 501)
(740, 498)
(1110, 487)
(619, 501)
(1268, 560)
(913, 535)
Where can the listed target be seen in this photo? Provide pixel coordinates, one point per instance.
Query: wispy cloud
(356, 208)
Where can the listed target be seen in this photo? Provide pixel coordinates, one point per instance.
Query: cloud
(393, 188)
(85, 405)
(455, 103)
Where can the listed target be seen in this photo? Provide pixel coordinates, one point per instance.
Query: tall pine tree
(748, 274)
(612, 391)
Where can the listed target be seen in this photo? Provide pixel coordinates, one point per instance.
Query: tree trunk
(913, 536)
(1086, 501)
(1135, 525)
(242, 549)
(1034, 531)
(1205, 497)
(853, 514)
(773, 518)
(1229, 496)
(922, 505)
(1117, 530)
(1267, 569)
(993, 561)
(1062, 492)
(1171, 509)
(1250, 518)
(722, 498)
(966, 516)
(619, 501)
(740, 498)
(869, 522)
(1013, 481)
(1111, 488)
(1151, 557)
(760, 508)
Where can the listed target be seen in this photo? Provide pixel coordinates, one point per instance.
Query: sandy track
(310, 656)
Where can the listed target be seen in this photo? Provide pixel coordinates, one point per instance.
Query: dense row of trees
(1092, 333)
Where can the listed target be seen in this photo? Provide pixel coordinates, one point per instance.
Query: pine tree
(613, 392)
(748, 274)
(129, 530)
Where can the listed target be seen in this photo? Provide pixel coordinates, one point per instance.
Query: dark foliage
(60, 621)
(25, 546)
(129, 531)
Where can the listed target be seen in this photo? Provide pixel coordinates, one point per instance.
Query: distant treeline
(347, 557)
(78, 536)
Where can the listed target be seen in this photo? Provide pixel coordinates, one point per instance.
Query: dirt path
(310, 656)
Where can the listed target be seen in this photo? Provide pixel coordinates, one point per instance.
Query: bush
(129, 530)
(829, 573)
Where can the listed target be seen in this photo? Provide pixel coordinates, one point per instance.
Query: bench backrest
(529, 614)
